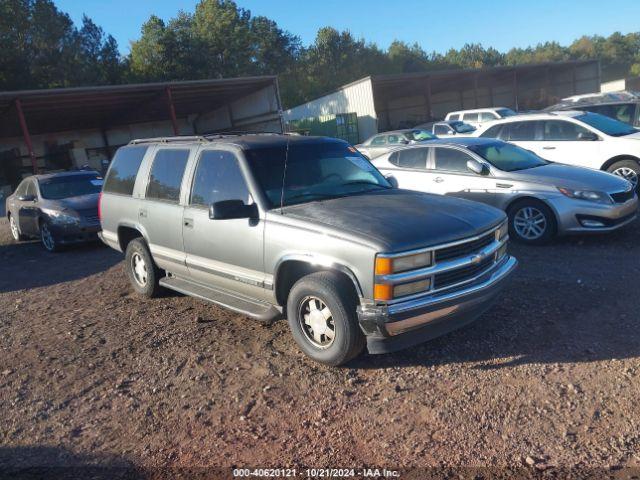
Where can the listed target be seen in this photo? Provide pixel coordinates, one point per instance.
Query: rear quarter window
(123, 170)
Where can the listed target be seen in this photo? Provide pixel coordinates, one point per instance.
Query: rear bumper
(392, 328)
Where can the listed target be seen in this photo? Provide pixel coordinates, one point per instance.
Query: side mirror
(587, 136)
(27, 198)
(230, 209)
(478, 168)
(392, 180)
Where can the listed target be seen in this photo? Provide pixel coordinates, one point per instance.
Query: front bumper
(570, 213)
(71, 234)
(401, 325)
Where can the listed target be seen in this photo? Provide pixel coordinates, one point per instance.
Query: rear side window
(451, 160)
(455, 116)
(470, 117)
(487, 116)
(166, 175)
(441, 129)
(218, 177)
(124, 169)
(379, 140)
(413, 158)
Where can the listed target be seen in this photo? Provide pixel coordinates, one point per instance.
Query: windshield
(507, 157)
(462, 127)
(607, 125)
(315, 171)
(420, 135)
(57, 188)
(505, 112)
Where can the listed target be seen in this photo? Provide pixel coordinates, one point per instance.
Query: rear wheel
(321, 311)
(15, 230)
(532, 222)
(142, 271)
(627, 169)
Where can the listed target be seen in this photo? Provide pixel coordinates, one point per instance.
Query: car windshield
(57, 188)
(420, 135)
(607, 125)
(462, 127)
(505, 112)
(314, 171)
(507, 157)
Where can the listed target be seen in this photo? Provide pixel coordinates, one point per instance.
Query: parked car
(622, 106)
(303, 226)
(59, 208)
(542, 199)
(577, 138)
(480, 116)
(448, 128)
(383, 142)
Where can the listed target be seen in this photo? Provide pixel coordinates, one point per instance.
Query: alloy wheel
(317, 322)
(47, 237)
(530, 223)
(139, 269)
(628, 174)
(14, 228)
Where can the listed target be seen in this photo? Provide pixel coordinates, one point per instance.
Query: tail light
(100, 207)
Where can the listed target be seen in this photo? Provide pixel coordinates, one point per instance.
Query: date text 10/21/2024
(315, 473)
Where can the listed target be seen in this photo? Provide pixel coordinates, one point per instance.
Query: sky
(435, 25)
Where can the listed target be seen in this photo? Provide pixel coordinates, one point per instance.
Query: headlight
(502, 231)
(591, 196)
(64, 219)
(388, 265)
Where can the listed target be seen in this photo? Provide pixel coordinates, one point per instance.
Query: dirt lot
(93, 376)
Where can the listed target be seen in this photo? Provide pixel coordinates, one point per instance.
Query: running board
(261, 311)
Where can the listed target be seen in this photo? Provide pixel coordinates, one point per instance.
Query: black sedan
(59, 208)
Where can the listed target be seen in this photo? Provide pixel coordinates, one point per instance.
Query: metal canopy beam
(27, 137)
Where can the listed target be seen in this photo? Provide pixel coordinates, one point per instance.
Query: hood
(399, 220)
(83, 202)
(568, 176)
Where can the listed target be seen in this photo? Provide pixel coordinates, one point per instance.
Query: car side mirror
(230, 209)
(392, 180)
(477, 167)
(587, 136)
(27, 198)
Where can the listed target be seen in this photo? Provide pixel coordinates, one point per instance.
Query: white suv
(575, 138)
(480, 116)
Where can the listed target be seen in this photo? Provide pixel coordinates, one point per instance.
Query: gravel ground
(93, 377)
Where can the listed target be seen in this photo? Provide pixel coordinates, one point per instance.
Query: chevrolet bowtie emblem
(477, 258)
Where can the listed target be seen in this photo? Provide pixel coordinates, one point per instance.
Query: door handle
(188, 222)
(143, 213)
(438, 179)
(548, 148)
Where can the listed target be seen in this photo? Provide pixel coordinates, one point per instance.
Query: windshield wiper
(364, 182)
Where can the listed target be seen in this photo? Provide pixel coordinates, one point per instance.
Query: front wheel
(48, 239)
(532, 222)
(321, 311)
(627, 169)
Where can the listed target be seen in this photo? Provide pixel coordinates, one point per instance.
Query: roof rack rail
(208, 137)
(184, 138)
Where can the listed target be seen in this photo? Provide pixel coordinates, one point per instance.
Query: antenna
(284, 173)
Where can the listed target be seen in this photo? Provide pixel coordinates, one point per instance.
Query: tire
(628, 169)
(15, 230)
(330, 290)
(141, 270)
(542, 218)
(48, 239)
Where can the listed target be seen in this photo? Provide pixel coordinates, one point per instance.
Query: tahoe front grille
(452, 277)
(464, 248)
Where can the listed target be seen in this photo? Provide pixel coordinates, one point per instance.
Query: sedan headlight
(589, 195)
(60, 218)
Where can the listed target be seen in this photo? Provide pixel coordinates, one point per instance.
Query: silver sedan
(541, 198)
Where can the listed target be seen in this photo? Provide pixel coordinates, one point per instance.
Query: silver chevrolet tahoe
(271, 225)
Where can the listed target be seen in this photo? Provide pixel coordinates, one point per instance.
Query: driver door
(28, 210)
(223, 253)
